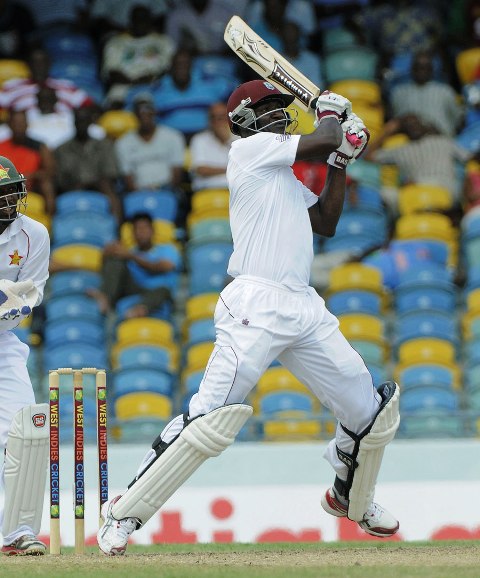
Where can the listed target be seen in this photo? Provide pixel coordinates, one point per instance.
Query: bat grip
(313, 104)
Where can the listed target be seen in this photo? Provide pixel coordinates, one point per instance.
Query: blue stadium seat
(68, 282)
(82, 200)
(161, 204)
(433, 425)
(426, 324)
(285, 401)
(192, 382)
(428, 398)
(73, 330)
(358, 228)
(75, 355)
(378, 373)
(211, 66)
(354, 301)
(427, 375)
(144, 356)
(365, 197)
(208, 267)
(469, 137)
(210, 230)
(352, 62)
(424, 298)
(133, 380)
(84, 227)
(201, 330)
(80, 306)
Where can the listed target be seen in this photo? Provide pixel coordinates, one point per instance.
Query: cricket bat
(269, 64)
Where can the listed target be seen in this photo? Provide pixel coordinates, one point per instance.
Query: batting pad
(26, 460)
(370, 456)
(205, 437)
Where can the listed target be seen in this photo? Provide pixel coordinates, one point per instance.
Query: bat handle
(313, 104)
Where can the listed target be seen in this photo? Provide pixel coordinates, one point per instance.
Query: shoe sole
(31, 552)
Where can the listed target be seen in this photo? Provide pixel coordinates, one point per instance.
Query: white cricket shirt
(25, 254)
(272, 234)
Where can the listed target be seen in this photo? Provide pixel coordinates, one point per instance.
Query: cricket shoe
(376, 521)
(27, 545)
(113, 536)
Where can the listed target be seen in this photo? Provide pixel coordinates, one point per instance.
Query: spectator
(428, 157)
(84, 162)
(199, 25)
(16, 26)
(399, 27)
(152, 156)
(209, 151)
(308, 63)
(267, 18)
(434, 102)
(147, 270)
(137, 55)
(32, 158)
(21, 93)
(110, 16)
(182, 99)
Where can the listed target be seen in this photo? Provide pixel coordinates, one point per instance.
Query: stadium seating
(136, 379)
(82, 200)
(83, 227)
(414, 198)
(78, 306)
(153, 357)
(467, 62)
(68, 282)
(61, 331)
(143, 405)
(354, 301)
(358, 62)
(207, 264)
(116, 123)
(79, 256)
(160, 204)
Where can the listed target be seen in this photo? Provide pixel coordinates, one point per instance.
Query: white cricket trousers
(258, 321)
(16, 392)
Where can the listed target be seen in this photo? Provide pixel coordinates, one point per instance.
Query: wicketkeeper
(24, 257)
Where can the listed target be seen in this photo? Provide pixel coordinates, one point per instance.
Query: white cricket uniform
(269, 311)
(24, 254)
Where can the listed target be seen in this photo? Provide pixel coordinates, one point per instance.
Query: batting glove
(329, 104)
(354, 141)
(363, 133)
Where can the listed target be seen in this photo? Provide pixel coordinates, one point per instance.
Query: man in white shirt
(24, 257)
(270, 312)
(209, 151)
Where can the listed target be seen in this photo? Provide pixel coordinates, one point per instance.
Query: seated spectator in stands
(21, 93)
(147, 270)
(32, 158)
(110, 16)
(16, 27)
(307, 62)
(399, 27)
(209, 151)
(138, 55)
(182, 99)
(267, 18)
(435, 102)
(199, 25)
(88, 163)
(152, 156)
(428, 156)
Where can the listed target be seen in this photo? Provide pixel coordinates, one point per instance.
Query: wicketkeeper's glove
(330, 104)
(355, 139)
(17, 298)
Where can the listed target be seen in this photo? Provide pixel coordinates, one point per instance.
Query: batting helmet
(246, 96)
(12, 190)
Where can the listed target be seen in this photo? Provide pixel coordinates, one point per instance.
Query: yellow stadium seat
(163, 232)
(418, 197)
(358, 91)
(359, 326)
(143, 405)
(473, 301)
(35, 203)
(373, 117)
(303, 119)
(427, 350)
(145, 330)
(10, 68)
(41, 218)
(79, 256)
(355, 276)
(289, 430)
(210, 199)
(277, 379)
(468, 320)
(118, 122)
(467, 63)
(433, 226)
(200, 306)
(395, 141)
(198, 355)
(193, 218)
